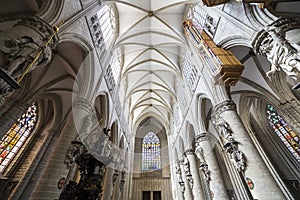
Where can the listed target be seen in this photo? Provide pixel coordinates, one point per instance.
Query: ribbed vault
(150, 35)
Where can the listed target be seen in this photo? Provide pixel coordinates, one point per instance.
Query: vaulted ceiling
(150, 35)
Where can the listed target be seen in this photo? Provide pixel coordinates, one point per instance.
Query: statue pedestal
(9, 80)
(296, 87)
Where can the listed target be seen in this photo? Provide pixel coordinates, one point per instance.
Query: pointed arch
(151, 156)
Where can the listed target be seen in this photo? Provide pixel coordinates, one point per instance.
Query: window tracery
(151, 152)
(13, 140)
(284, 131)
(108, 23)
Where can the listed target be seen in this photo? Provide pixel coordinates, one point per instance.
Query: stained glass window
(13, 140)
(284, 131)
(151, 152)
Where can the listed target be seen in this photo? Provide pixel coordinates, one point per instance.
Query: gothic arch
(50, 11)
(180, 147)
(102, 110)
(114, 133)
(189, 136)
(204, 110)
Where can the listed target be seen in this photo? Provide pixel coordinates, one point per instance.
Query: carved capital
(200, 138)
(84, 104)
(224, 106)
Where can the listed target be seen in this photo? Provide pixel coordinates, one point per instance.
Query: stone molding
(201, 137)
(85, 104)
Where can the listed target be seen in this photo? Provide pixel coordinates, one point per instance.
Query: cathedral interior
(150, 100)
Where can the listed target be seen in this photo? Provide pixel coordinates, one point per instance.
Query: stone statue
(178, 172)
(230, 145)
(186, 166)
(179, 177)
(206, 172)
(106, 146)
(199, 152)
(71, 156)
(224, 128)
(239, 160)
(282, 53)
(19, 53)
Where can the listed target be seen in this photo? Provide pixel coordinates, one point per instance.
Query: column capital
(189, 152)
(83, 103)
(201, 137)
(224, 106)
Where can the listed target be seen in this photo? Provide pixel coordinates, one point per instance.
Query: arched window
(284, 131)
(108, 23)
(13, 140)
(151, 152)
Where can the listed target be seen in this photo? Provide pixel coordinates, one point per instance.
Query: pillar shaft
(213, 177)
(197, 189)
(255, 166)
(188, 192)
(108, 184)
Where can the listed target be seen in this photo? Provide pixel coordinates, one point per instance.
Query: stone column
(178, 182)
(116, 189)
(109, 183)
(54, 167)
(122, 183)
(194, 173)
(280, 48)
(209, 168)
(187, 189)
(243, 153)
